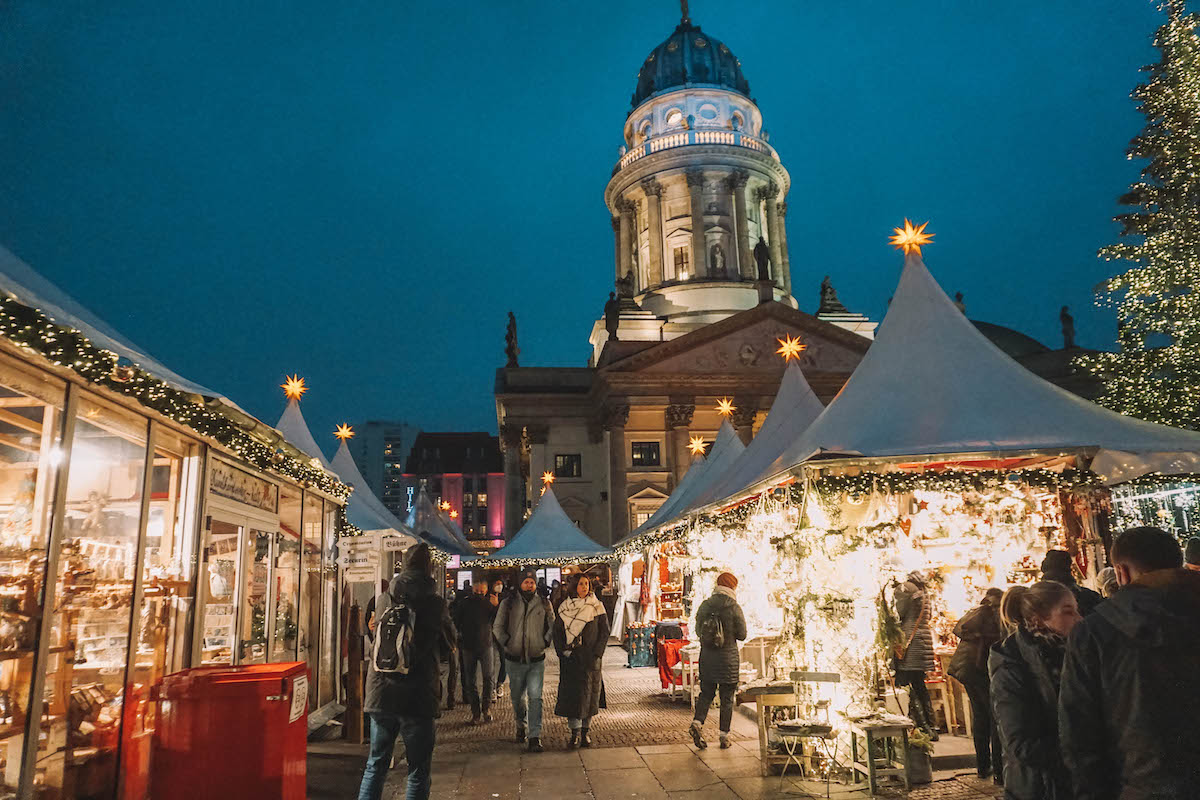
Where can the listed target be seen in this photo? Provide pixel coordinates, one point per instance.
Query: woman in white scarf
(580, 636)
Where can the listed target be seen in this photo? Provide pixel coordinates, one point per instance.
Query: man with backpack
(720, 624)
(412, 630)
(523, 628)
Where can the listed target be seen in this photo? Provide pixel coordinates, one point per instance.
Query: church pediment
(747, 342)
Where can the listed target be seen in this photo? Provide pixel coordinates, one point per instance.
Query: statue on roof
(762, 256)
(510, 341)
(1068, 328)
(959, 302)
(829, 299)
(625, 285)
(612, 316)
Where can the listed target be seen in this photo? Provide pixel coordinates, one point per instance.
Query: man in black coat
(1056, 566)
(1128, 701)
(405, 704)
(473, 617)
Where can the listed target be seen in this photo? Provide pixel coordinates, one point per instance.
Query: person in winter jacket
(977, 631)
(719, 665)
(1191, 554)
(1056, 566)
(405, 704)
(1128, 706)
(1025, 671)
(498, 593)
(473, 617)
(914, 656)
(523, 629)
(580, 636)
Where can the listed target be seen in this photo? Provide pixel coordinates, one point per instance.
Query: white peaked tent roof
(673, 504)
(294, 428)
(425, 517)
(364, 510)
(548, 535)
(794, 409)
(931, 383)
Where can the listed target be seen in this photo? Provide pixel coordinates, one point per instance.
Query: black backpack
(712, 631)
(393, 637)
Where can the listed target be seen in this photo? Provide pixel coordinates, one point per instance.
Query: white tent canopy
(674, 503)
(931, 383)
(794, 409)
(364, 510)
(550, 535)
(295, 429)
(425, 517)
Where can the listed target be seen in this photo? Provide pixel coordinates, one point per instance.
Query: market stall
(548, 538)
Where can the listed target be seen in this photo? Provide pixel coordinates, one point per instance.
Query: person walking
(580, 637)
(1056, 566)
(473, 618)
(498, 593)
(720, 624)
(403, 704)
(1191, 554)
(914, 656)
(523, 628)
(1129, 705)
(1025, 670)
(977, 631)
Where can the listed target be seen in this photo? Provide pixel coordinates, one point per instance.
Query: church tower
(695, 189)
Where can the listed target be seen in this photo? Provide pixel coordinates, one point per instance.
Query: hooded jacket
(913, 608)
(523, 627)
(722, 664)
(417, 693)
(1025, 705)
(1129, 700)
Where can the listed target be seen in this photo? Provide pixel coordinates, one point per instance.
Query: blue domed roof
(689, 58)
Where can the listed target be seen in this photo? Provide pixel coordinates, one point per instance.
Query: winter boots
(697, 735)
(584, 741)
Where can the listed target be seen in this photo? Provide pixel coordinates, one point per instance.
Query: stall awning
(425, 517)
(549, 536)
(295, 429)
(364, 510)
(931, 383)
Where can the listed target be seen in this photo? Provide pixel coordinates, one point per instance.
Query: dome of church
(689, 58)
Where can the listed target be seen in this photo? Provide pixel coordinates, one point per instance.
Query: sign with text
(240, 486)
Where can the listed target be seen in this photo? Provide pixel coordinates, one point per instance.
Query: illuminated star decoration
(697, 446)
(293, 387)
(791, 347)
(453, 515)
(445, 505)
(344, 432)
(725, 407)
(547, 477)
(910, 239)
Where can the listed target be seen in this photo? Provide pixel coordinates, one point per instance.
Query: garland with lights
(66, 347)
(516, 563)
(1156, 372)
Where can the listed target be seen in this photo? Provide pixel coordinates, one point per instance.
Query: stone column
(654, 270)
(695, 182)
(536, 436)
(745, 257)
(743, 419)
(772, 214)
(514, 490)
(679, 417)
(783, 248)
(615, 418)
(616, 223)
(625, 264)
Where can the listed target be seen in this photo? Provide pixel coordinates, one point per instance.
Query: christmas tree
(1156, 373)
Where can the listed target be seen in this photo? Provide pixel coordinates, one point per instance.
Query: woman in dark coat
(580, 636)
(720, 664)
(1025, 670)
(914, 656)
(977, 631)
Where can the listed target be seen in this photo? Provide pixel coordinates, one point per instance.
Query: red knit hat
(727, 579)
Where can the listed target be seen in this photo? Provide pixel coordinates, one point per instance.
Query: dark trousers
(988, 756)
(498, 660)
(418, 746)
(478, 661)
(452, 677)
(708, 690)
(920, 707)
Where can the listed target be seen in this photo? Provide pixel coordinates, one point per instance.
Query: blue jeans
(418, 745)
(522, 679)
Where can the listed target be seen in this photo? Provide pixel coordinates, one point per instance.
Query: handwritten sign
(240, 486)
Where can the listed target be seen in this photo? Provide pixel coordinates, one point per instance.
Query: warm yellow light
(911, 239)
(445, 505)
(791, 347)
(344, 432)
(725, 407)
(547, 477)
(293, 387)
(453, 515)
(697, 446)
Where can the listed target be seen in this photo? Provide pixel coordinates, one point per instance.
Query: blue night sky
(359, 192)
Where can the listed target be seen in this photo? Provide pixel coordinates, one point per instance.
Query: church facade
(702, 302)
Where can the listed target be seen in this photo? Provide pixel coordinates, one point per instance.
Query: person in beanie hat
(721, 625)
(523, 628)
(1056, 566)
(1191, 554)
(404, 705)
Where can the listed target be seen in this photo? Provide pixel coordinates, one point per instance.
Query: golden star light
(344, 432)
(725, 407)
(791, 347)
(445, 505)
(547, 477)
(697, 446)
(453, 515)
(293, 387)
(911, 239)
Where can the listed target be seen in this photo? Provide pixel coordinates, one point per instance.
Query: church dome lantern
(689, 57)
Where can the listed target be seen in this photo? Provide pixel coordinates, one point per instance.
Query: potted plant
(920, 757)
